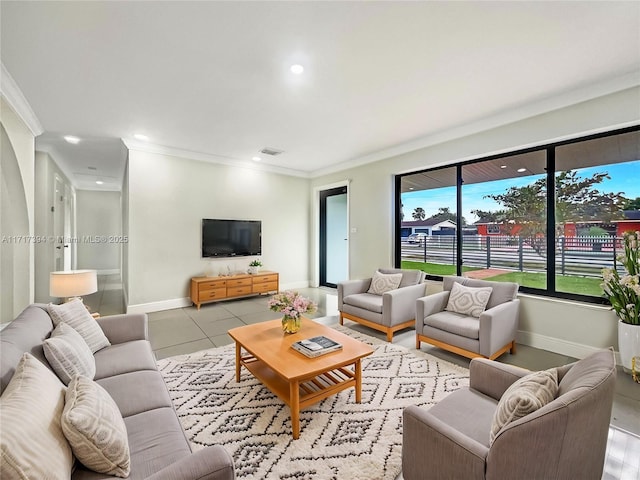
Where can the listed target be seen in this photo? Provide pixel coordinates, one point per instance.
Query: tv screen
(231, 238)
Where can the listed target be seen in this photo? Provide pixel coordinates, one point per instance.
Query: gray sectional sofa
(127, 370)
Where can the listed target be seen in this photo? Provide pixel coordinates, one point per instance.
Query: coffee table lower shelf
(302, 392)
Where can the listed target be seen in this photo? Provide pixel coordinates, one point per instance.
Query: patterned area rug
(339, 439)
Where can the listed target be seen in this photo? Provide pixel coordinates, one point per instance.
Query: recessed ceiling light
(503, 166)
(522, 170)
(99, 182)
(139, 136)
(256, 159)
(297, 69)
(71, 139)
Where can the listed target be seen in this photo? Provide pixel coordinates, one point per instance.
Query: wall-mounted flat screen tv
(231, 238)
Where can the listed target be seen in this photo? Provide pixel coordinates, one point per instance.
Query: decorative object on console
(254, 267)
(292, 305)
(69, 284)
(624, 294)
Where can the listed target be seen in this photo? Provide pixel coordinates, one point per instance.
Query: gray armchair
(389, 312)
(565, 439)
(489, 335)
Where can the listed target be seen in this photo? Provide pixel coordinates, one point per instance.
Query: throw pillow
(95, 429)
(76, 315)
(524, 396)
(468, 300)
(384, 282)
(32, 444)
(68, 354)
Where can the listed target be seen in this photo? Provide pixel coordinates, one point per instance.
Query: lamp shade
(72, 283)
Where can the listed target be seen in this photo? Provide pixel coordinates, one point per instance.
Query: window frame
(550, 149)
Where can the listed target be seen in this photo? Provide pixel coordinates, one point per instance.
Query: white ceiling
(212, 78)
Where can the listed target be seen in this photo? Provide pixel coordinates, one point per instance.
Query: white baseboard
(159, 306)
(112, 271)
(294, 285)
(557, 345)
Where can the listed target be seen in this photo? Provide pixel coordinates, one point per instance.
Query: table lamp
(71, 284)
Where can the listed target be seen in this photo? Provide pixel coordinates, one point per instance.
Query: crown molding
(531, 109)
(141, 146)
(18, 102)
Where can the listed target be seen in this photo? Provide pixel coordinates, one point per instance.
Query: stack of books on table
(316, 346)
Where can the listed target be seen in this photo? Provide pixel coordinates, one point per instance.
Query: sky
(625, 177)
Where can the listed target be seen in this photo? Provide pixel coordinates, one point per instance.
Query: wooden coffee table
(297, 380)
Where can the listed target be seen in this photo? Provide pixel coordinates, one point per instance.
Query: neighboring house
(430, 227)
(571, 229)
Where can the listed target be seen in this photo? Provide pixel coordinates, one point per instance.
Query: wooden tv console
(213, 289)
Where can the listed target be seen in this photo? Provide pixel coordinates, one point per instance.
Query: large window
(428, 211)
(505, 201)
(548, 218)
(597, 200)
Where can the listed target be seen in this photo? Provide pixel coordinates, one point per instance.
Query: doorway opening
(334, 237)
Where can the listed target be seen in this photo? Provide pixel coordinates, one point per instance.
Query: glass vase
(290, 324)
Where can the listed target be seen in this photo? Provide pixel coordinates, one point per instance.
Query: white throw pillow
(31, 440)
(68, 354)
(384, 282)
(468, 300)
(524, 396)
(76, 315)
(95, 429)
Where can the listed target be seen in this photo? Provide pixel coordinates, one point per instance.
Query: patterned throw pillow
(32, 444)
(95, 429)
(68, 354)
(384, 282)
(468, 300)
(76, 315)
(524, 396)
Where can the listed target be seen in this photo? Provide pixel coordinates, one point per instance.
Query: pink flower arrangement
(291, 304)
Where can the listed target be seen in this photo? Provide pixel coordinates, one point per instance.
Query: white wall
(99, 230)
(566, 327)
(169, 197)
(16, 214)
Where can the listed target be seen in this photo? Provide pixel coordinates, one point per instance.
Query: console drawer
(211, 284)
(235, 291)
(265, 279)
(265, 287)
(238, 282)
(211, 294)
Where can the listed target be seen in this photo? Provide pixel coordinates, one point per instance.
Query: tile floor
(186, 330)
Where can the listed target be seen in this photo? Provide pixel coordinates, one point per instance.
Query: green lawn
(568, 284)
(434, 268)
